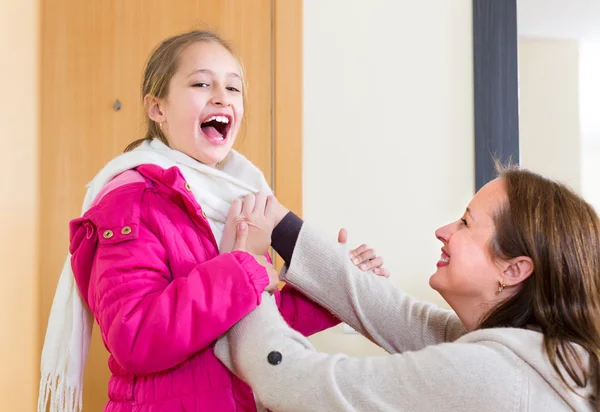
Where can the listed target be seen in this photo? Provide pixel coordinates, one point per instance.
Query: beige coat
(434, 364)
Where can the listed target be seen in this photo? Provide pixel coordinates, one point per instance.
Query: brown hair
(560, 232)
(161, 67)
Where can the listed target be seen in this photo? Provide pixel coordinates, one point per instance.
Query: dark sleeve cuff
(285, 235)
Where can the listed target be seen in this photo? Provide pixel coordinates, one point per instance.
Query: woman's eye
(200, 85)
(233, 89)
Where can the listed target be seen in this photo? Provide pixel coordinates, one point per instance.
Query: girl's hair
(560, 232)
(161, 67)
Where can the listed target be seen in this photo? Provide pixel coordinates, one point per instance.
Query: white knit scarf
(70, 324)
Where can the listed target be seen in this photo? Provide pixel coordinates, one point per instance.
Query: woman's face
(467, 275)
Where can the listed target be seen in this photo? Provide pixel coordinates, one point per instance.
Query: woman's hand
(240, 244)
(364, 257)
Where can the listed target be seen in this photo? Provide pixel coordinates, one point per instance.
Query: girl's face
(203, 110)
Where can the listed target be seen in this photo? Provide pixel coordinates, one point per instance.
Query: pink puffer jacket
(148, 266)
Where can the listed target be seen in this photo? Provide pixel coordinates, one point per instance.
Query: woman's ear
(518, 269)
(153, 107)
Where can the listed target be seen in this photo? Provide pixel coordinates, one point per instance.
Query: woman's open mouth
(216, 128)
(444, 259)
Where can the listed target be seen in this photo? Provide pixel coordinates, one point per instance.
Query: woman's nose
(444, 233)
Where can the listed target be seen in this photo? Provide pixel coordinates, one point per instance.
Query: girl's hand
(364, 257)
(240, 244)
(257, 212)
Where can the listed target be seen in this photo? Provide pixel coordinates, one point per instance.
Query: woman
(520, 270)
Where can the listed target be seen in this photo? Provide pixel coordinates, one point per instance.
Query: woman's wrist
(285, 234)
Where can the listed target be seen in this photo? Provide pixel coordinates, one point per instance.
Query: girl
(144, 257)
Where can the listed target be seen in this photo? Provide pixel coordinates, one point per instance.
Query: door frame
(495, 86)
(287, 102)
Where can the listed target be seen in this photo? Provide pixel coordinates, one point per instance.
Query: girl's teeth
(220, 119)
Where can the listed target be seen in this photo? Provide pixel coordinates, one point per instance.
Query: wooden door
(93, 54)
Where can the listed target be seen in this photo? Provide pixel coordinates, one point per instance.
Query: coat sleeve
(287, 374)
(303, 314)
(372, 305)
(151, 322)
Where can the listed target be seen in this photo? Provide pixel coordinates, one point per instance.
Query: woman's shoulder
(520, 343)
(524, 349)
(507, 336)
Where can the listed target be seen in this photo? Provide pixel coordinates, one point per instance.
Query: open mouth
(216, 127)
(444, 258)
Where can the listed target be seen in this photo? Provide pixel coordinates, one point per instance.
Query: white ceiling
(570, 19)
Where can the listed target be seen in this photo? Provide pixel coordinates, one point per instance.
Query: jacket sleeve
(300, 312)
(370, 304)
(151, 322)
(286, 374)
(303, 314)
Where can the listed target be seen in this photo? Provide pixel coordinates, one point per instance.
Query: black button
(275, 358)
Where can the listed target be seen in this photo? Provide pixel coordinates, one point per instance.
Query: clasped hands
(249, 226)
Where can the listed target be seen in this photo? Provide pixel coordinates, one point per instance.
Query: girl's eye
(233, 89)
(463, 221)
(200, 85)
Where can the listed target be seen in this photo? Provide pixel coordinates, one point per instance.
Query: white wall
(388, 131)
(18, 204)
(590, 176)
(589, 100)
(549, 126)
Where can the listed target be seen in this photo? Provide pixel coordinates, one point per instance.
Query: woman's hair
(560, 232)
(161, 67)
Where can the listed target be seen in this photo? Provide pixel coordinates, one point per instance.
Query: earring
(160, 125)
(501, 286)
